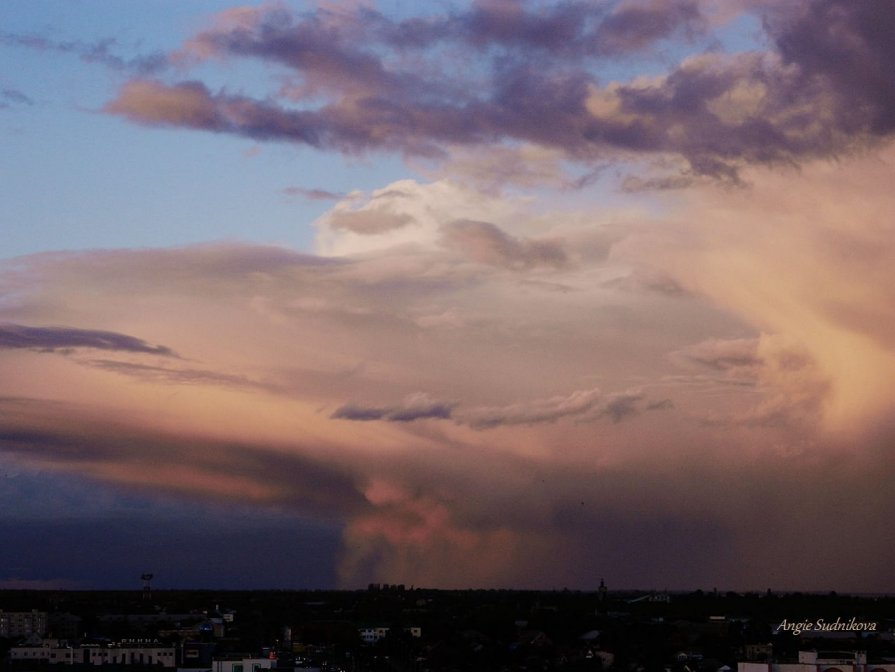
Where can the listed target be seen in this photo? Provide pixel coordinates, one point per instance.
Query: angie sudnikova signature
(820, 625)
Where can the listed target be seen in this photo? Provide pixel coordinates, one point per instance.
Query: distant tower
(603, 591)
(147, 587)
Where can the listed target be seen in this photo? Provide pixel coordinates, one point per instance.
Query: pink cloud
(613, 425)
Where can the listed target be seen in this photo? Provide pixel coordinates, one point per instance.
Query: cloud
(50, 339)
(493, 168)
(72, 437)
(102, 531)
(564, 30)
(187, 104)
(621, 406)
(417, 406)
(758, 320)
(843, 49)
(633, 184)
(636, 24)
(313, 194)
(537, 411)
(789, 259)
(488, 244)
(100, 51)
(186, 376)
(723, 355)
(584, 405)
(370, 222)
(10, 97)
(406, 213)
(359, 81)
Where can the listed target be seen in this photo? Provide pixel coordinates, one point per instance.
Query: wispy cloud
(10, 97)
(100, 52)
(313, 194)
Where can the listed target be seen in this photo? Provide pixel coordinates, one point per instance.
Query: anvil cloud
(634, 326)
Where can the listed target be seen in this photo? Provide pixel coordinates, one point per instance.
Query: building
(239, 663)
(373, 635)
(823, 661)
(23, 623)
(758, 651)
(126, 652)
(197, 655)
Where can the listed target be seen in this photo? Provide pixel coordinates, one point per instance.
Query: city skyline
(454, 294)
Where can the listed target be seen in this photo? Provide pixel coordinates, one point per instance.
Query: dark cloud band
(17, 336)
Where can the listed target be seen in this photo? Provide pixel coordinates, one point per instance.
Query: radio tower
(147, 588)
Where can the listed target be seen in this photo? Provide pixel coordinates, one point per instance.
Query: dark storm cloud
(846, 47)
(49, 339)
(68, 437)
(535, 78)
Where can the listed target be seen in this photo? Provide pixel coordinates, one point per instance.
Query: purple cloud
(100, 52)
(636, 24)
(359, 81)
(845, 49)
(414, 407)
(49, 339)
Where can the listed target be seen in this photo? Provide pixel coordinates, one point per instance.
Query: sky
(499, 293)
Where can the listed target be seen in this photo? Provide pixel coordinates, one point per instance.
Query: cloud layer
(356, 80)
